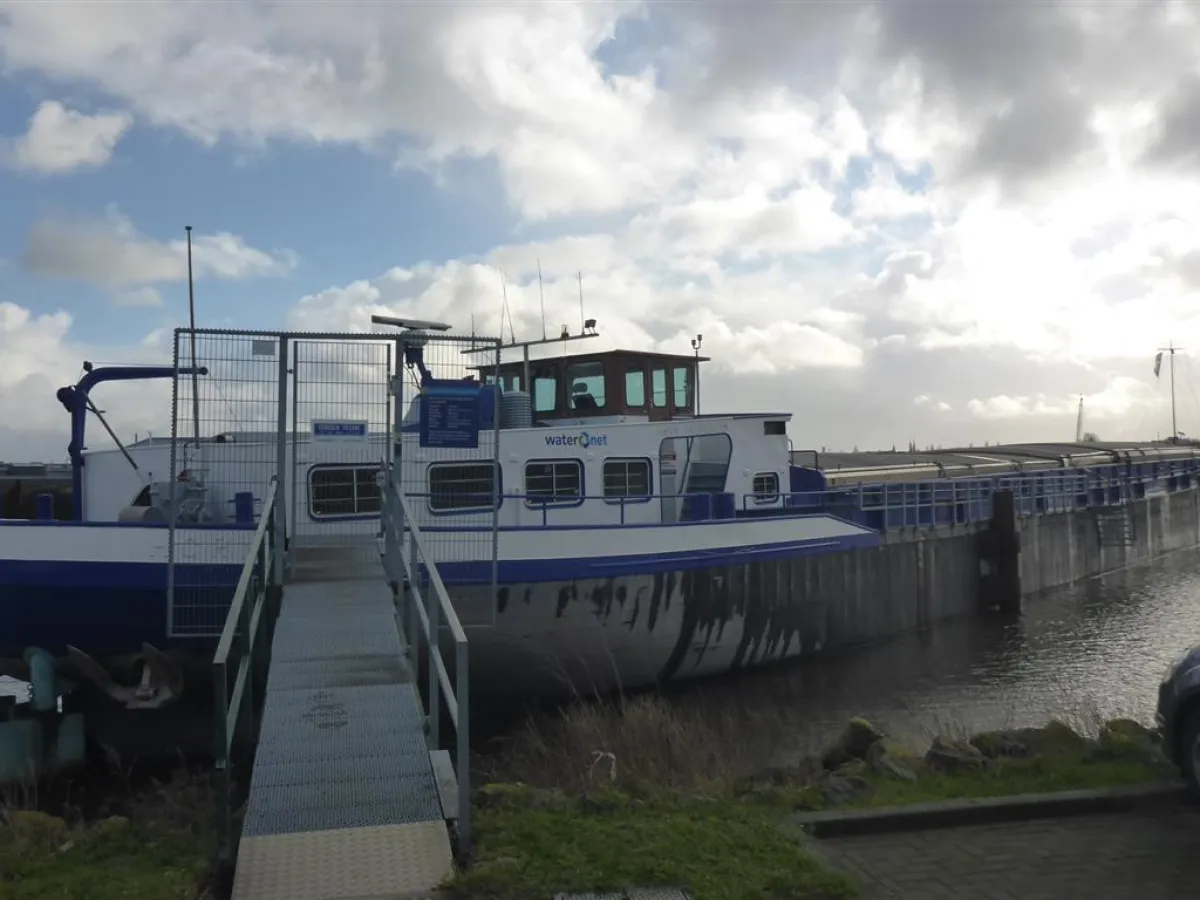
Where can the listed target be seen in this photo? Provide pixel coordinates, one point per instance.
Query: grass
(641, 794)
(157, 848)
(530, 848)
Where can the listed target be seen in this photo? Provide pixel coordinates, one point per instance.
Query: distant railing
(879, 506)
(424, 607)
(244, 645)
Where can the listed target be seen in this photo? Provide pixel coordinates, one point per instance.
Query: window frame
(765, 497)
(602, 375)
(554, 500)
(497, 487)
(688, 386)
(358, 514)
(626, 499)
(666, 397)
(632, 369)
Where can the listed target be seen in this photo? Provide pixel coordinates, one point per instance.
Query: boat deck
(344, 801)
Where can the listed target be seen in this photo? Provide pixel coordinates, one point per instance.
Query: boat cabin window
(766, 487)
(587, 385)
(457, 487)
(627, 478)
(335, 491)
(553, 481)
(658, 386)
(509, 381)
(545, 391)
(683, 387)
(635, 387)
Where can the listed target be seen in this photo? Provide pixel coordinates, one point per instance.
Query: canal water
(1083, 654)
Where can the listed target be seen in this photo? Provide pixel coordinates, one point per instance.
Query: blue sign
(339, 430)
(450, 415)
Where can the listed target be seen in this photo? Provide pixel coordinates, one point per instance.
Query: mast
(192, 321)
(1170, 348)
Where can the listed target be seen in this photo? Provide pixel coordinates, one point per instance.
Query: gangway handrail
(417, 613)
(244, 630)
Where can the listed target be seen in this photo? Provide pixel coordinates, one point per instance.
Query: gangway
(350, 795)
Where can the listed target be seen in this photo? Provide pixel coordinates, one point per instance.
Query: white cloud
(895, 222)
(38, 355)
(113, 254)
(61, 140)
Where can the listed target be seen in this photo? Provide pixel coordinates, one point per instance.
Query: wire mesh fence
(224, 451)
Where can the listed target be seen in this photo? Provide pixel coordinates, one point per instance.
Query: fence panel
(224, 452)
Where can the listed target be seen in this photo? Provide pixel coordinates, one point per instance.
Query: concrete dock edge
(987, 810)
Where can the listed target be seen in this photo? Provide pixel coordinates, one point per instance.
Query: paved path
(1153, 855)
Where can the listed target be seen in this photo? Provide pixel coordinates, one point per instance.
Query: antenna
(582, 323)
(192, 323)
(506, 308)
(542, 298)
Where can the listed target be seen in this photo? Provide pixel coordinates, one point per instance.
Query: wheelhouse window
(456, 487)
(545, 391)
(682, 382)
(553, 481)
(508, 381)
(587, 385)
(635, 387)
(658, 387)
(626, 478)
(335, 491)
(765, 486)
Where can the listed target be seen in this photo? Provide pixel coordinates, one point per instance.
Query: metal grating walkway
(343, 798)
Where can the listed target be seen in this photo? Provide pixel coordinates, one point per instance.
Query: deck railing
(244, 649)
(424, 609)
(879, 506)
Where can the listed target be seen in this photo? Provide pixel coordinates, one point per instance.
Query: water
(1090, 652)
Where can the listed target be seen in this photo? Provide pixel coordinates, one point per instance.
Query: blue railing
(881, 507)
(244, 645)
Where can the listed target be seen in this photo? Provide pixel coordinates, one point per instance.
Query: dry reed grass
(629, 742)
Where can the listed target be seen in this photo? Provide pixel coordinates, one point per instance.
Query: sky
(899, 221)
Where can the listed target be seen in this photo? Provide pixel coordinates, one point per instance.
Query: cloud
(38, 355)
(113, 254)
(899, 220)
(61, 140)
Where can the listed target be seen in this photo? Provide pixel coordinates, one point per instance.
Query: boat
(608, 496)
(593, 529)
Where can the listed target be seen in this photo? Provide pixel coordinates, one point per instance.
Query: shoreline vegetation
(597, 797)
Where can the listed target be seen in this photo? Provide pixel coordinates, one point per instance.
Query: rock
(37, 830)
(1014, 743)
(802, 771)
(1060, 739)
(1128, 728)
(884, 759)
(952, 756)
(838, 790)
(854, 741)
(112, 827)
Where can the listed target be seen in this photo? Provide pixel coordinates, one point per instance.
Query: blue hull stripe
(112, 607)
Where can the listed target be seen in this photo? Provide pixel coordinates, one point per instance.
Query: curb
(988, 810)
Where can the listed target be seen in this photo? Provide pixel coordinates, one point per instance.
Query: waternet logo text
(582, 440)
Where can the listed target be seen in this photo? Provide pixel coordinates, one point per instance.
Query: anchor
(161, 682)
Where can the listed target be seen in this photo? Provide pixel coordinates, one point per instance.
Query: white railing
(424, 608)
